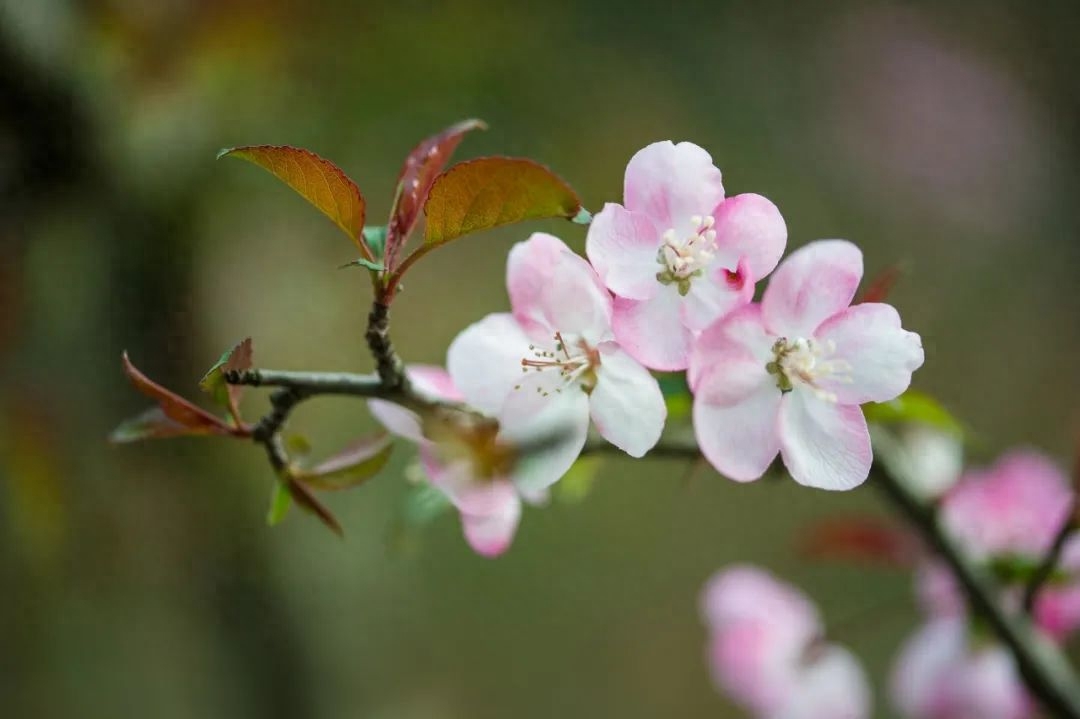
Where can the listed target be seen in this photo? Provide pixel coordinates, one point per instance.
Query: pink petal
(652, 331)
(937, 592)
(490, 533)
(626, 404)
(715, 296)
(549, 430)
(671, 183)
(485, 361)
(622, 246)
(742, 329)
(833, 686)
(880, 354)
(824, 444)
(429, 380)
(735, 418)
(744, 592)
(812, 284)
(749, 227)
(545, 279)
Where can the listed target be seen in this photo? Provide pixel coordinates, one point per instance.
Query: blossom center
(807, 362)
(570, 363)
(685, 258)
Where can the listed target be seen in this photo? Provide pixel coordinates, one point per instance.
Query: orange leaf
(861, 539)
(193, 420)
(304, 497)
(319, 181)
(493, 191)
(419, 172)
(879, 287)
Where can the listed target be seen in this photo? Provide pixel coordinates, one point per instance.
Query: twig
(1050, 561)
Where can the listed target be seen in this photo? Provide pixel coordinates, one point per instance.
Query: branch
(1046, 568)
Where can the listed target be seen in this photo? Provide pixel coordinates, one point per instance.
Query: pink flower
(788, 375)
(463, 460)
(676, 254)
(767, 654)
(945, 673)
(1010, 512)
(552, 363)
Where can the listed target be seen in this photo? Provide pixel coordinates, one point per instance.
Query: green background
(142, 580)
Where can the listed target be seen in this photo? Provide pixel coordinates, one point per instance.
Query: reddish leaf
(238, 359)
(193, 420)
(419, 172)
(878, 289)
(319, 181)
(151, 424)
(493, 191)
(304, 497)
(357, 463)
(861, 539)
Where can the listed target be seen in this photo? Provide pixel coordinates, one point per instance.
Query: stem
(394, 279)
(1050, 561)
(389, 366)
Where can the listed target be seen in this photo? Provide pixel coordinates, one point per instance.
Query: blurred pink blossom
(767, 653)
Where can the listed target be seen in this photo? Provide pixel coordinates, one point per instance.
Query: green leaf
(578, 482)
(375, 237)
(238, 359)
(280, 502)
(676, 393)
(418, 174)
(319, 181)
(493, 191)
(361, 262)
(583, 217)
(350, 467)
(423, 504)
(913, 406)
(174, 416)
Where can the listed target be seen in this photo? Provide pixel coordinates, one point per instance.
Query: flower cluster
(1006, 517)
(668, 286)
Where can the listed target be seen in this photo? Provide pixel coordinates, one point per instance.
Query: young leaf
(238, 359)
(913, 406)
(178, 410)
(578, 482)
(861, 539)
(492, 191)
(151, 424)
(676, 394)
(319, 181)
(306, 499)
(879, 288)
(419, 172)
(280, 502)
(353, 465)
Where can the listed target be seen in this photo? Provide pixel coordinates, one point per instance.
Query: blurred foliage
(941, 136)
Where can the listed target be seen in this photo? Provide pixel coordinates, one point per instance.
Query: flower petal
(485, 361)
(824, 444)
(529, 267)
(548, 428)
(880, 354)
(626, 404)
(743, 591)
(742, 329)
(622, 246)
(490, 533)
(670, 183)
(811, 285)
(750, 227)
(652, 331)
(833, 686)
(735, 416)
(429, 380)
(716, 295)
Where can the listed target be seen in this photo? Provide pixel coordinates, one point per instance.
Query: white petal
(880, 354)
(742, 330)
(824, 444)
(737, 434)
(548, 430)
(622, 246)
(811, 285)
(712, 297)
(671, 183)
(833, 686)
(428, 380)
(652, 330)
(626, 405)
(485, 361)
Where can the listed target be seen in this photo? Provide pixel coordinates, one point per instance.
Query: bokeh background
(143, 581)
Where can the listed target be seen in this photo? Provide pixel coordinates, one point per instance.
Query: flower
(1007, 516)
(767, 653)
(943, 672)
(788, 375)
(676, 254)
(463, 458)
(552, 363)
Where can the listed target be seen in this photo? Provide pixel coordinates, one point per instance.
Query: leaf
(879, 287)
(861, 539)
(306, 499)
(361, 262)
(280, 502)
(578, 482)
(319, 181)
(355, 464)
(913, 406)
(676, 394)
(375, 238)
(492, 191)
(422, 167)
(238, 359)
(187, 418)
(423, 504)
